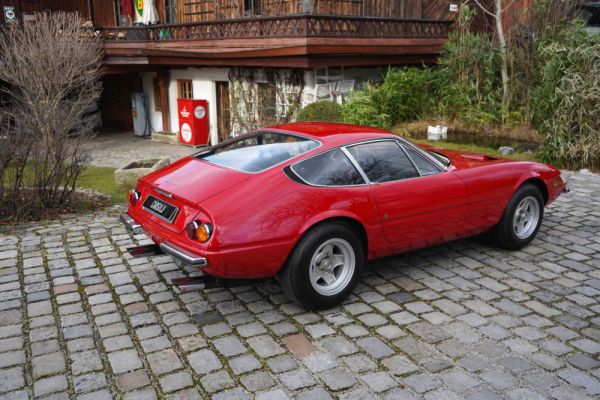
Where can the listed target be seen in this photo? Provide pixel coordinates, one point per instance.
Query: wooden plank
(103, 12)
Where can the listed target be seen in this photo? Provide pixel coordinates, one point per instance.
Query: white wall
(203, 84)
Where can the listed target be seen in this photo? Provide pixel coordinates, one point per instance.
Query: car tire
(521, 219)
(324, 267)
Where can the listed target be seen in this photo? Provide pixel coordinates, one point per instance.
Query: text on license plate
(160, 208)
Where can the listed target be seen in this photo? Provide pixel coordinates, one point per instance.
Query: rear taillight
(133, 196)
(198, 231)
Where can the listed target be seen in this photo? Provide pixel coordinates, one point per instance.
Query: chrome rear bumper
(131, 224)
(181, 254)
(186, 256)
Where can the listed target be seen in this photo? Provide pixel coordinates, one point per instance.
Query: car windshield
(258, 152)
(445, 161)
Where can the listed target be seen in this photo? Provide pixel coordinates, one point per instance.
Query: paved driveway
(117, 149)
(81, 319)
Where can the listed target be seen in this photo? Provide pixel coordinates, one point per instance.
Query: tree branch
(485, 10)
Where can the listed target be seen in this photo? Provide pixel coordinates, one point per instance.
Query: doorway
(223, 111)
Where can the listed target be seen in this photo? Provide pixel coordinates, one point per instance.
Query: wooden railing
(292, 26)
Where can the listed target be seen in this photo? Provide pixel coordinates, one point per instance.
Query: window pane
(259, 152)
(383, 161)
(332, 168)
(424, 166)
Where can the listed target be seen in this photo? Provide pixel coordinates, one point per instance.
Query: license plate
(160, 208)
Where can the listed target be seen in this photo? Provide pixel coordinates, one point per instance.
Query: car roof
(331, 132)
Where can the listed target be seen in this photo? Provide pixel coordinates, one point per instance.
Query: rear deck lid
(192, 180)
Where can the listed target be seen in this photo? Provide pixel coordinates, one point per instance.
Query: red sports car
(310, 203)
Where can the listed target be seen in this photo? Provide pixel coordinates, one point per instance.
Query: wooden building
(273, 51)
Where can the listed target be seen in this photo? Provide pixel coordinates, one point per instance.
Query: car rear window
(258, 152)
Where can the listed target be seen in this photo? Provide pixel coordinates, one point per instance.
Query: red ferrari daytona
(310, 203)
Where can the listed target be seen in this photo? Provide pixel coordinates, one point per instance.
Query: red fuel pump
(193, 122)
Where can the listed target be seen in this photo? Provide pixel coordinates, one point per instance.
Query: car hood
(463, 160)
(194, 180)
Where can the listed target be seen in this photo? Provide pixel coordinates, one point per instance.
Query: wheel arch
(352, 222)
(539, 183)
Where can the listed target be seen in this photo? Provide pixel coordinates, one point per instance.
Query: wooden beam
(163, 90)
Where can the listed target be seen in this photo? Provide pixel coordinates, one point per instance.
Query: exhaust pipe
(145, 251)
(210, 282)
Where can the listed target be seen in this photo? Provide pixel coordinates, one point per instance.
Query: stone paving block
(204, 361)
(243, 364)
(164, 361)
(124, 361)
(89, 382)
(319, 361)
(229, 346)
(132, 380)
(379, 381)
(281, 363)
(49, 385)
(579, 379)
(399, 365)
(299, 345)
(11, 379)
(85, 361)
(375, 347)
(422, 383)
(149, 394)
(314, 394)
(265, 346)
(176, 381)
(257, 382)
(338, 379)
(297, 379)
(275, 394)
(217, 381)
(48, 364)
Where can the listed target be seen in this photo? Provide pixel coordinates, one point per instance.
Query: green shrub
(360, 109)
(406, 94)
(469, 76)
(325, 111)
(567, 100)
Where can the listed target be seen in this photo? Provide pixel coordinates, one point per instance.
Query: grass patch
(472, 148)
(519, 132)
(102, 179)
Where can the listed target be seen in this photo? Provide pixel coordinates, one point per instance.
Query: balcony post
(163, 90)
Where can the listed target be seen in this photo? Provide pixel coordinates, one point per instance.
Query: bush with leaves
(360, 109)
(51, 74)
(567, 100)
(324, 111)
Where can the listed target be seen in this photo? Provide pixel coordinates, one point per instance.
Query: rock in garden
(506, 150)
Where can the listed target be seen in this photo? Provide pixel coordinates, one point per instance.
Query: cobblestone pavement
(117, 149)
(81, 319)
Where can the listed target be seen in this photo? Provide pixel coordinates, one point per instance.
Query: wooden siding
(209, 10)
(103, 12)
(439, 9)
(32, 6)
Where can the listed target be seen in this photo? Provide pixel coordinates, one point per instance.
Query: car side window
(331, 168)
(424, 166)
(383, 161)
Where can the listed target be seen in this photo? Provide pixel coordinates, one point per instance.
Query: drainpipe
(90, 13)
(307, 6)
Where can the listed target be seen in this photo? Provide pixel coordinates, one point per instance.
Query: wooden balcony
(291, 40)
